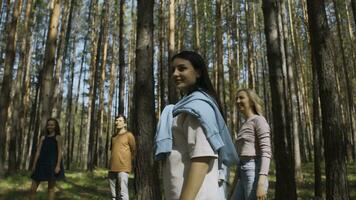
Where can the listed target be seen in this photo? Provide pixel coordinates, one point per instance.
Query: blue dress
(47, 161)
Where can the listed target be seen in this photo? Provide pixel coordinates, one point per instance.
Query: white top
(189, 141)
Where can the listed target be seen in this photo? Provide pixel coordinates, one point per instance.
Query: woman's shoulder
(59, 137)
(261, 123)
(259, 119)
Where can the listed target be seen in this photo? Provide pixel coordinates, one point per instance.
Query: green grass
(94, 186)
(305, 187)
(77, 185)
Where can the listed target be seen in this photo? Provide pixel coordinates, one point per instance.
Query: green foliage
(87, 185)
(77, 185)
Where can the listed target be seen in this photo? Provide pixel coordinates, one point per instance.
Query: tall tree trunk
(35, 115)
(292, 96)
(46, 90)
(16, 109)
(25, 53)
(82, 146)
(93, 84)
(34, 125)
(5, 97)
(146, 177)
(318, 193)
(335, 166)
(61, 60)
(132, 68)
(250, 49)
(219, 55)
(353, 5)
(196, 26)
(162, 74)
(122, 58)
(172, 92)
(285, 179)
(349, 126)
(105, 33)
(80, 143)
(69, 114)
(233, 67)
(71, 125)
(112, 81)
(98, 91)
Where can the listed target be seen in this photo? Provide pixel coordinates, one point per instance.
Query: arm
(198, 169)
(264, 145)
(202, 157)
(59, 156)
(38, 150)
(132, 144)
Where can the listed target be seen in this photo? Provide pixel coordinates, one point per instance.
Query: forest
(84, 62)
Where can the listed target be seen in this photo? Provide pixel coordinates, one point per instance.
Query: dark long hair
(57, 129)
(203, 82)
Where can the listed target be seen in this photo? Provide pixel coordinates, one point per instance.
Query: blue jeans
(248, 173)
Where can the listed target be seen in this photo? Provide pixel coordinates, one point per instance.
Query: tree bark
(318, 193)
(292, 95)
(25, 54)
(47, 83)
(349, 126)
(112, 81)
(60, 68)
(172, 92)
(285, 179)
(219, 56)
(196, 26)
(146, 177)
(93, 17)
(104, 49)
(162, 74)
(353, 5)
(250, 49)
(122, 58)
(5, 97)
(335, 166)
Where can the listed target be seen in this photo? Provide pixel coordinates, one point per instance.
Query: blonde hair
(255, 100)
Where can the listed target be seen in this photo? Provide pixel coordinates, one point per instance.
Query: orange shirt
(122, 152)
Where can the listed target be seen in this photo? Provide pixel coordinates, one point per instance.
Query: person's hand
(261, 192)
(57, 169)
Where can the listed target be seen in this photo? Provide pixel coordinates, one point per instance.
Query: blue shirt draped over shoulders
(205, 109)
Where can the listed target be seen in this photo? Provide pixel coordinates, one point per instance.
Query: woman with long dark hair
(192, 137)
(48, 165)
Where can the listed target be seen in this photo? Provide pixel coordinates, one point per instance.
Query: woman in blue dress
(48, 165)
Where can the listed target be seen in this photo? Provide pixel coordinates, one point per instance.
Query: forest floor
(90, 186)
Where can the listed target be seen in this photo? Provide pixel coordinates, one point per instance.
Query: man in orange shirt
(123, 148)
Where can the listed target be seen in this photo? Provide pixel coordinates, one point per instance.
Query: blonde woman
(253, 147)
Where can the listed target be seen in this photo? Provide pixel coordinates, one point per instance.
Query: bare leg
(33, 190)
(51, 185)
